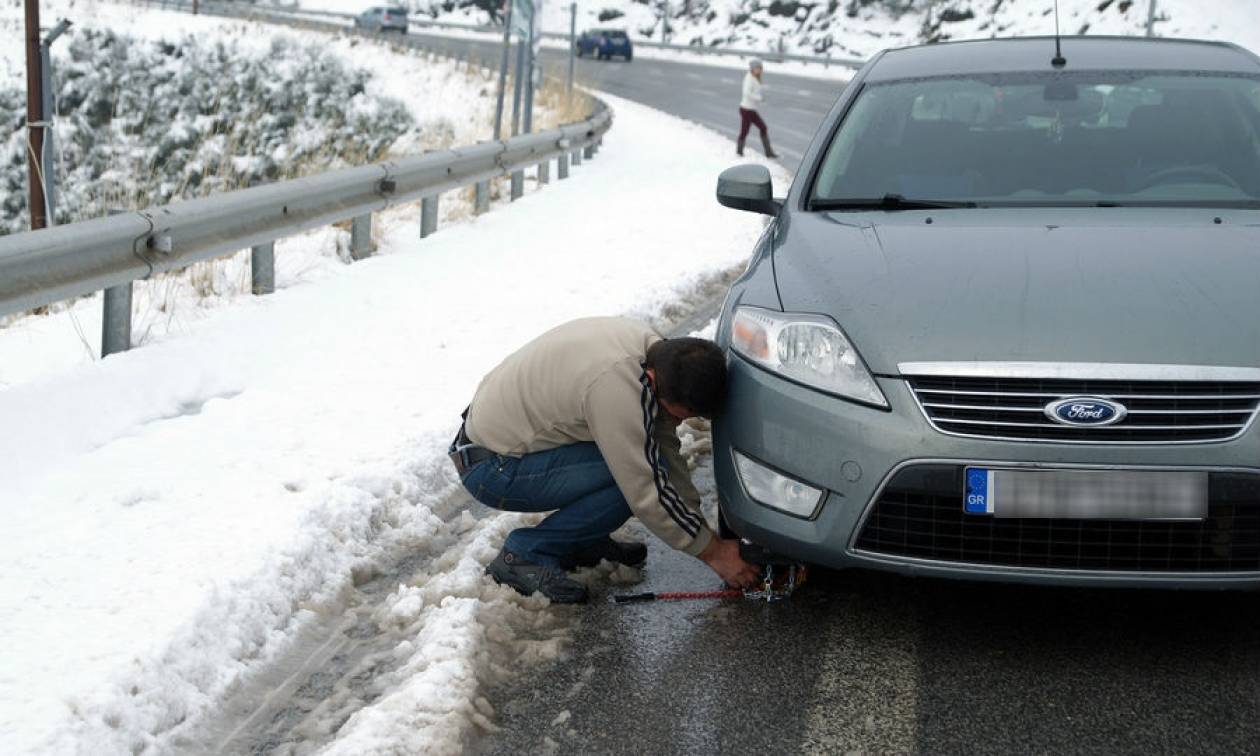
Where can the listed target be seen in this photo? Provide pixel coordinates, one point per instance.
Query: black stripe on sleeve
(671, 502)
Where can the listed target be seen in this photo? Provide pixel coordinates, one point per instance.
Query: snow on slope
(860, 28)
(174, 516)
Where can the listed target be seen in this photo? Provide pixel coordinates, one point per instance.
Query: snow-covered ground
(175, 516)
(860, 28)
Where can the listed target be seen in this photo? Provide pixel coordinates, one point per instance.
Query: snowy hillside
(859, 28)
(151, 112)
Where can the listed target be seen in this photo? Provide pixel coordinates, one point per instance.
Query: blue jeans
(574, 480)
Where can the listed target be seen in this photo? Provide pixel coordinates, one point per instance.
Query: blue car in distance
(605, 43)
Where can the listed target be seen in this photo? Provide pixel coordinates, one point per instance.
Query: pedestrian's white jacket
(586, 381)
(752, 93)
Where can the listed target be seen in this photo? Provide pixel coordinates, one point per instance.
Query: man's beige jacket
(586, 381)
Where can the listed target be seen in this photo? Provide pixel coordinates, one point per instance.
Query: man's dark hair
(690, 372)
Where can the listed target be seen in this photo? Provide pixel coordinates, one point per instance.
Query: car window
(396, 11)
(617, 34)
(1029, 139)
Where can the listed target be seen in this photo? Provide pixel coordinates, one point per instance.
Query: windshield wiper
(887, 202)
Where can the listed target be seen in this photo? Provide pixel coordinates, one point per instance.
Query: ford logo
(1086, 411)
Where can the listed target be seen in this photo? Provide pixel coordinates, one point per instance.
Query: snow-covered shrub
(146, 122)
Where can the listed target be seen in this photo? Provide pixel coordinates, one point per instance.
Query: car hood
(1083, 285)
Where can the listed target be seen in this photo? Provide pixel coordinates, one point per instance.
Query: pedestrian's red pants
(748, 117)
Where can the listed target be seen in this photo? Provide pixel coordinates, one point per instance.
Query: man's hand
(722, 555)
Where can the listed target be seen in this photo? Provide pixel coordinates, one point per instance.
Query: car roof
(1082, 53)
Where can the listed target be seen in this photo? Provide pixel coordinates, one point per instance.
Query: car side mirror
(747, 187)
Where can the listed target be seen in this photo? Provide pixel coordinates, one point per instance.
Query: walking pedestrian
(748, 114)
(581, 422)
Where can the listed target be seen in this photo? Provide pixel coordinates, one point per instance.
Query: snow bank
(174, 515)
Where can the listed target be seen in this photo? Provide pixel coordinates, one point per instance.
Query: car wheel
(724, 530)
(629, 57)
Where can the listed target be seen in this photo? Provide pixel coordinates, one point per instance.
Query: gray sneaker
(552, 582)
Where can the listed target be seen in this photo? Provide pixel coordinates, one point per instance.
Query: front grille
(920, 514)
(1158, 411)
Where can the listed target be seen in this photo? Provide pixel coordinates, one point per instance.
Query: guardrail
(61, 262)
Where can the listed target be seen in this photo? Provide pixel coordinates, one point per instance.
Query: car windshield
(616, 34)
(1083, 138)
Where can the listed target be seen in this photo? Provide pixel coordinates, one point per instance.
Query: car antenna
(1058, 61)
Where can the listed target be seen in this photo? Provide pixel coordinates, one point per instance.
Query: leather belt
(464, 453)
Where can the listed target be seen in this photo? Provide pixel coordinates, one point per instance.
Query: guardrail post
(481, 202)
(544, 172)
(116, 326)
(518, 184)
(562, 165)
(361, 236)
(428, 215)
(577, 157)
(262, 267)
(588, 151)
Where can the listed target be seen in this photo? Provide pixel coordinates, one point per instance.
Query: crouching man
(582, 420)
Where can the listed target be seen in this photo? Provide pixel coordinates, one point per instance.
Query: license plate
(1086, 494)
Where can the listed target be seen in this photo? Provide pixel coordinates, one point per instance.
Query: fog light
(774, 489)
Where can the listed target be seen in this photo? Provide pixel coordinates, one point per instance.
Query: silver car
(382, 19)
(1006, 323)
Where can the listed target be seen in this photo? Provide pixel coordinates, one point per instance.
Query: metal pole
(529, 72)
(49, 153)
(361, 236)
(46, 154)
(518, 85)
(518, 184)
(481, 202)
(34, 123)
(544, 172)
(577, 157)
(562, 166)
(428, 215)
(262, 268)
(1150, 19)
(568, 87)
(503, 67)
(116, 325)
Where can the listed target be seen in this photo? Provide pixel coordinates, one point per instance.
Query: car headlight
(774, 489)
(810, 349)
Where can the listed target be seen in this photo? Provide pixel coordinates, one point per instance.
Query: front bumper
(862, 455)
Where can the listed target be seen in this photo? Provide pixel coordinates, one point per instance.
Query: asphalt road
(862, 662)
(706, 94)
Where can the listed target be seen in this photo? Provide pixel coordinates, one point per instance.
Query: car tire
(629, 57)
(724, 530)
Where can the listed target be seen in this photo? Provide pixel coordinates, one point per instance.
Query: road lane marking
(694, 75)
(805, 92)
(806, 111)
